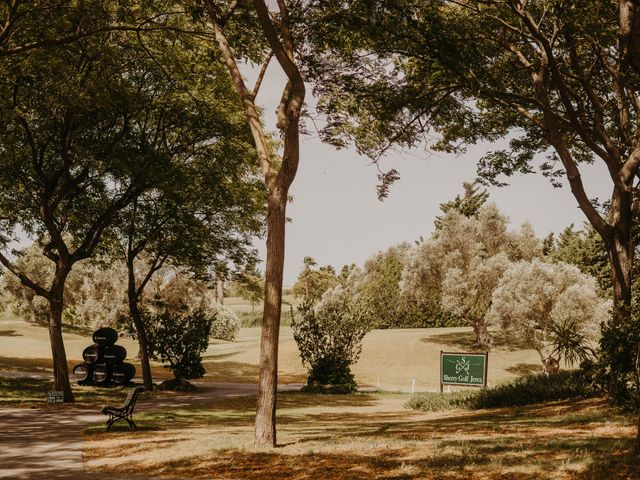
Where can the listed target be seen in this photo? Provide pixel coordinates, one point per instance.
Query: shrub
(435, 401)
(225, 325)
(329, 337)
(178, 340)
(521, 391)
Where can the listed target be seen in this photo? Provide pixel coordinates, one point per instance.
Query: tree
(329, 336)
(312, 283)
(93, 296)
(584, 249)
(249, 285)
(388, 307)
(468, 205)
(204, 209)
(72, 157)
(552, 307)
(278, 173)
(459, 266)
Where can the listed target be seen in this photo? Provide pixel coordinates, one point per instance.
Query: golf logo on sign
(462, 365)
(464, 369)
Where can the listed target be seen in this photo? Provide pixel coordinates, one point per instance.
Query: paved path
(47, 444)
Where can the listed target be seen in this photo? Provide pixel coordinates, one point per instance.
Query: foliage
(225, 325)
(585, 249)
(525, 390)
(313, 282)
(178, 339)
(554, 308)
(94, 295)
(329, 336)
(248, 285)
(457, 269)
(436, 401)
(468, 205)
(380, 285)
(617, 367)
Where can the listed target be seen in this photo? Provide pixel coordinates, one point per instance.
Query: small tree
(554, 308)
(178, 340)
(313, 282)
(329, 336)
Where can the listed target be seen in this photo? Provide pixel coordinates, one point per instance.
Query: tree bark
(265, 423)
(134, 310)
(59, 355)
(484, 340)
(620, 251)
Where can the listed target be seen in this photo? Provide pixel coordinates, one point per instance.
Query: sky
(337, 219)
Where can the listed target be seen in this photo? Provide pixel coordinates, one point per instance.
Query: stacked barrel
(104, 363)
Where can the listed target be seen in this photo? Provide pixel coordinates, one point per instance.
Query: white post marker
(413, 385)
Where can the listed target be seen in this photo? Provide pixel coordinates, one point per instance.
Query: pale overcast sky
(337, 218)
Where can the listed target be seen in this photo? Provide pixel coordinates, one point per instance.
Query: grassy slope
(394, 357)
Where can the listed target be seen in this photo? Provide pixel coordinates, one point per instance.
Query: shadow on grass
(12, 363)
(550, 441)
(10, 333)
(232, 372)
(465, 340)
(524, 369)
(24, 389)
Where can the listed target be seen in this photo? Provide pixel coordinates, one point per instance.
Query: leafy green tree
(73, 157)
(204, 210)
(312, 283)
(584, 249)
(458, 268)
(249, 285)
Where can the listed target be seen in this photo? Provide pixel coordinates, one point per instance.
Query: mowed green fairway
(390, 358)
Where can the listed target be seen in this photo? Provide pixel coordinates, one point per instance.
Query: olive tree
(552, 307)
(460, 265)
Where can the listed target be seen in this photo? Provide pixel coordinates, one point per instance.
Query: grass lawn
(392, 358)
(372, 436)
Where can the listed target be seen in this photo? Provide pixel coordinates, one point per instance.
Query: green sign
(55, 397)
(468, 369)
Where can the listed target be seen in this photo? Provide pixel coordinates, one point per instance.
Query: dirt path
(47, 443)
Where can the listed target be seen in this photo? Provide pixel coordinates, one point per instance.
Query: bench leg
(110, 423)
(131, 423)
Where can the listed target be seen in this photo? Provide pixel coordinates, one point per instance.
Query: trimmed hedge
(521, 391)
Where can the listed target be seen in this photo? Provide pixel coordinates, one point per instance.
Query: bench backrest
(132, 398)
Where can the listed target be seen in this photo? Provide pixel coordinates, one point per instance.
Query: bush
(435, 401)
(225, 325)
(178, 340)
(329, 337)
(521, 391)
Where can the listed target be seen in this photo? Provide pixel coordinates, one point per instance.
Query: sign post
(463, 369)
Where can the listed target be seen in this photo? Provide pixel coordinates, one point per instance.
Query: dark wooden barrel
(100, 374)
(105, 336)
(122, 373)
(82, 372)
(112, 354)
(92, 354)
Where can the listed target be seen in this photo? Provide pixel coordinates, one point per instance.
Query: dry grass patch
(372, 436)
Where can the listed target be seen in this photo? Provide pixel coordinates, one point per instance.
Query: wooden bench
(124, 412)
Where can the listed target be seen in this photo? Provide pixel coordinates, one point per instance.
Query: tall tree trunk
(220, 291)
(620, 250)
(59, 355)
(138, 323)
(265, 424)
